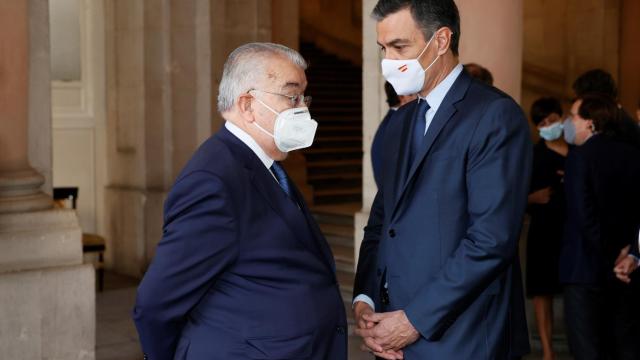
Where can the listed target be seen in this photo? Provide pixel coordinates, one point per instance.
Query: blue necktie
(278, 171)
(419, 125)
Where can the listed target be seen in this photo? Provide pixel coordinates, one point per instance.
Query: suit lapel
(445, 112)
(268, 187)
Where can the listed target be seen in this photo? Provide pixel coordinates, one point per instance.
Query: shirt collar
(252, 144)
(436, 96)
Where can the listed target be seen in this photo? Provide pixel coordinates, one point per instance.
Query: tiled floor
(116, 337)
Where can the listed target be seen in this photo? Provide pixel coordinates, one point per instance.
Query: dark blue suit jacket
(444, 230)
(241, 271)
(377, 152)
(602, 185)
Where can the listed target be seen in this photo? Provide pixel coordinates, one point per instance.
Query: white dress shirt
(434, 99)
(252, 144)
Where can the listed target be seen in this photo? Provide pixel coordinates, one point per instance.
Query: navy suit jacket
(602, 185)
(377, 152)
(443, 232)
(241, 272)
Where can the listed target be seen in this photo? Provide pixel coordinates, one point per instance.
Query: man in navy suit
(242, 270)
(438, 275)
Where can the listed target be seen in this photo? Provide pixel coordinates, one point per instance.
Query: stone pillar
(46, 294)
(374, 107)
(158, 113)
(19, 183)
(629, 79)
(492, 37)
(164, 64)
(234, 23)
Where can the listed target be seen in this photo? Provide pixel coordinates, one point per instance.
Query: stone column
(19, 183)
(158, 113)
(374, 108)
(492, 37)
(47, 297)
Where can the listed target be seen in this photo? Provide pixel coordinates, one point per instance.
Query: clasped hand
(384, 334)
(625, 264)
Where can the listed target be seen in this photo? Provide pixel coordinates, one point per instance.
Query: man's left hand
(393, 331)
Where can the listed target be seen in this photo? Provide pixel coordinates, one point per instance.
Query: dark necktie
(281, 176)
(418, 129)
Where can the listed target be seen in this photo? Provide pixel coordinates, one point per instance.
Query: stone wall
(334, 26)
(164, 65)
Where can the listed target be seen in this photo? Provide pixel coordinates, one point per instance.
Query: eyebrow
(291, 84)
(395, 42)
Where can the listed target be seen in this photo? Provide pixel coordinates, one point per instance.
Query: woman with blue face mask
(547, 213)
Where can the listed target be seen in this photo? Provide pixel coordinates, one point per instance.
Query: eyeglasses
(294, 100)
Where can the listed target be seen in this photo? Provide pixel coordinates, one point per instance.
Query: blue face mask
(551, 132)
(569, 131)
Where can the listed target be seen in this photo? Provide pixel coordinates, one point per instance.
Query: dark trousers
(603, 322)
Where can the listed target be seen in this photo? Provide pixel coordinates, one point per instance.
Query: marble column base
(20, 192)
(47, 296)
(48, 313)
(39, 239)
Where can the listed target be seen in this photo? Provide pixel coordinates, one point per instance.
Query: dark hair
(544, 107)
(392, 96)
(607, 119)
(596, 81)
(430, 15)
(479, 72)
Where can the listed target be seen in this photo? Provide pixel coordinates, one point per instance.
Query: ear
(245, 107)
(443, 40)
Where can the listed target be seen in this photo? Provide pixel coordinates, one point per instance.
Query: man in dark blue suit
(439, 260)
(242, 270)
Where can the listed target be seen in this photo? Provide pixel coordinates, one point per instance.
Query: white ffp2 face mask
(406, 76)
(294, 128)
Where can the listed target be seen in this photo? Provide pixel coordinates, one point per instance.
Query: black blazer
(602, 185)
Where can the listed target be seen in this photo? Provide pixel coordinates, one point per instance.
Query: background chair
(91, 243)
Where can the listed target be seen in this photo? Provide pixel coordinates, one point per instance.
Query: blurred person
(547, 211)
(479, 73)
(242, 270)
(598, 81)
(438, 275)
(601, 185)
(394, 101)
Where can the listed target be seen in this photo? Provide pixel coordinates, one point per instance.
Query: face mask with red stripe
(406, 76)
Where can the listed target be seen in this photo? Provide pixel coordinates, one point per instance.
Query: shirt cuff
(365, 299)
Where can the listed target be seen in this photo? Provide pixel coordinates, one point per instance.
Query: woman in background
(547, 211)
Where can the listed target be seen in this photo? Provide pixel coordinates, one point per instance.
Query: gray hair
(245, 66)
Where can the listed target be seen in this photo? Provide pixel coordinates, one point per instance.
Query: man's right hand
(360, 308)
(542, 196)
